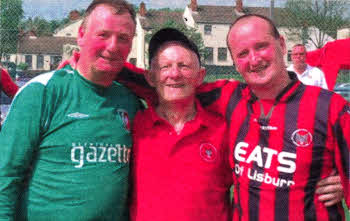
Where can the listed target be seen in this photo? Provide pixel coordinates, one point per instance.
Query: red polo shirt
(182, 176)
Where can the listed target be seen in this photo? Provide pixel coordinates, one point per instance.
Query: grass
(214, 77)
(343, 77)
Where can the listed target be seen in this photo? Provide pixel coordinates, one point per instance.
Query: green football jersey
(70, 139)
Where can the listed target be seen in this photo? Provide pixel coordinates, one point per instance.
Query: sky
(57, 9)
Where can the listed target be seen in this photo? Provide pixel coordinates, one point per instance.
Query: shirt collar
(283, 96)
(202, 117)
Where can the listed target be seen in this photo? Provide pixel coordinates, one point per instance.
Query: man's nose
(112, 44)
(174, 71)
(254, 58)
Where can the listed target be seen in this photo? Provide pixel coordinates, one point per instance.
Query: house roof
(44, 45)
(227, 14)
(153, 18)
(346, 26)
(214, 14)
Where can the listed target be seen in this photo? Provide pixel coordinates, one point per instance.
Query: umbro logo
(77, 115)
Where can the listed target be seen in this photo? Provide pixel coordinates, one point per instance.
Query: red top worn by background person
(7, 85)
(331, 58)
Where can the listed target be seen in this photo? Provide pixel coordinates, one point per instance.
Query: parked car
(343, 89)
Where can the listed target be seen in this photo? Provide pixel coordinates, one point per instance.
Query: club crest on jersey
(301, 138)
(208, 152)
(124, 117)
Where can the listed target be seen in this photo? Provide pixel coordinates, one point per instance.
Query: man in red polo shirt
(180, 167)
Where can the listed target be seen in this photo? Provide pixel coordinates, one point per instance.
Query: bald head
(250, 17)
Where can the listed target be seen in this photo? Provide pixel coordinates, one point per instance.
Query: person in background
(180, 168)
(9, 87)
(306, 74)
(66, 141)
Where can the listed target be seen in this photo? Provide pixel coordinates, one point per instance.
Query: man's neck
(272, 90)
(103, 79)
(299, 69)
(177, 113)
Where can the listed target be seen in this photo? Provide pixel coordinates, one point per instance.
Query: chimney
(194, 5)
(142, 10)
(239, 6)
(74, 15)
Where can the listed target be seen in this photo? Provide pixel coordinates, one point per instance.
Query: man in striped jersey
(284, 136)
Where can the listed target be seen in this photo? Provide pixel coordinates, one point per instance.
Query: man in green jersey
(67, 134)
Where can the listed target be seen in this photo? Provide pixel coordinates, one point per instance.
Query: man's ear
(150, 78)
(80, 38)
(283, 45)
(202, 72)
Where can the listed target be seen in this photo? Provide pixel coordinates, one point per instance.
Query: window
(39, 62)
(289, 56)
(54, 61)
(133, 61)
(207, 29)
(28, 60)
(222, 54)
(209, 55)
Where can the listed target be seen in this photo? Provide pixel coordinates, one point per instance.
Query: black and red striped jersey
(277, 160)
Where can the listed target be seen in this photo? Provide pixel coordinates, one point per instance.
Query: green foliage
(191, 33)
(343, 76)
(41, 26)
(23, 66)
(10, 15)
(327, 16)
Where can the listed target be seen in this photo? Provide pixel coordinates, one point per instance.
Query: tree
(11, 13)
(306, 16)
(191, 33)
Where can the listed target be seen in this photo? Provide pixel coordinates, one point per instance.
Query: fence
(36, 44)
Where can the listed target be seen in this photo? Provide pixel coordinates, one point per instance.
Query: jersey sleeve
(19, 138)
(215, 96)
(134, 79)
(331, 58)
(7, 85)
(341, 130)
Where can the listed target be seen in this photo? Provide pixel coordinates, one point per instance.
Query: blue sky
(57, 9)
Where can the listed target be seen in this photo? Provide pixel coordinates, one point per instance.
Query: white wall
(70, 30)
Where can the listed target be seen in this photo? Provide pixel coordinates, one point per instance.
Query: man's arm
(331, 58)
(7, 85)
(341, 130)
(213, 96)
(19, 139)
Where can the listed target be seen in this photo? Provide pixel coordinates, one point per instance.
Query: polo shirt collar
(202, 118)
